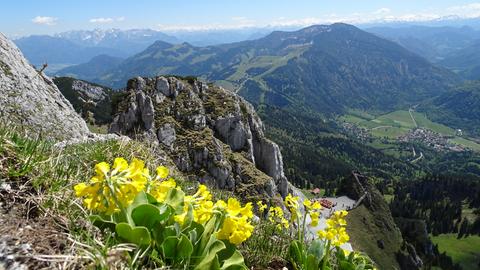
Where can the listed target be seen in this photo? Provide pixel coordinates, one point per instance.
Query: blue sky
(24, 17)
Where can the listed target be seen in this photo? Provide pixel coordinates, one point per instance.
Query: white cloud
(471, 10)
(45, 20)
(102, 20)
(236, 23)
(383, 10)
(383, 14)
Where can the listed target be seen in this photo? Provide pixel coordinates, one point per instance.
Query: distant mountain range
(89, 71)
(433, 43)
(77, 47)
(456, 48)
(58, 52)
(328, 69)
(128, 41)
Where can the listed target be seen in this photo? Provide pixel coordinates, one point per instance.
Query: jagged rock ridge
(32, 100)
(211, 133)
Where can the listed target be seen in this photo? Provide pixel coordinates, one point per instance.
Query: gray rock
(146, 109)
(162, 86)
(89, 91)
(30, 99)
(166, 134)
(233, 132)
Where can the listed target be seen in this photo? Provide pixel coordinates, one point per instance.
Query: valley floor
(464, 251)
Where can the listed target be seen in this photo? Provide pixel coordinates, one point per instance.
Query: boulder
(30, 99)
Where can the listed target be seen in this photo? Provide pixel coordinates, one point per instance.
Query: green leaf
(102, 223)
(312, 262)
(168, 247)
(209, 261)
(295, 253)
(175, 199)
(136, 235)
(346, 265)
(184, 248)
(125, 216)
(234, 262)
(149, 215)
(317, 249)
(176, 248)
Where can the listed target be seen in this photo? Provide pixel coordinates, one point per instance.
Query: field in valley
(464, 251)
(398, 123)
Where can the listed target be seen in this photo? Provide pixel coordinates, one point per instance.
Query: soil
(25, 231)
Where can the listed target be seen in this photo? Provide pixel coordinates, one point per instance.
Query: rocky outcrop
(88, 91)
(371, 222)
(32, 100)
(211, 133)
(93, 102)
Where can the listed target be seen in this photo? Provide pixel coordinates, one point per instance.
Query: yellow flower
(236, 227)
(335, 231)
(120, 165)
(203, 212)
(314, 216)
(291, 202)
(316, 205)
(160, 189)
(285, 223)
(233, 207)
(162, 172)
(261, 207)
(221, 204)
(102, 169)
(109, 190)
(307, 204)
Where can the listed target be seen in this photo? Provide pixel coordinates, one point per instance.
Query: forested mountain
(465, 61)
(433, 43)
(90, 70)
(458, 108)
(325, 68)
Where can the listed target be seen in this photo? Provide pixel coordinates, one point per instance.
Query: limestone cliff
(32, 100)
(212, 134)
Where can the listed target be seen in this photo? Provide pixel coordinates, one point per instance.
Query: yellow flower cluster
(113, 187)
(201, 204)
(261, 207)
(292, 205)
(237, 225)
(335, 231)
(313, 209)
(276, 216)
(160, 186)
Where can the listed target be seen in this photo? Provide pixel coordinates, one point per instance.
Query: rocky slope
(93, 102)
(32, 100)
(373, 229)
(212, 134)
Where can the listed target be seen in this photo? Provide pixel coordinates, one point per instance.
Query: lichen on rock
(31, 100)
(210, 133)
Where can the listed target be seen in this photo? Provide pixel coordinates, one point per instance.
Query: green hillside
(464, 251)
